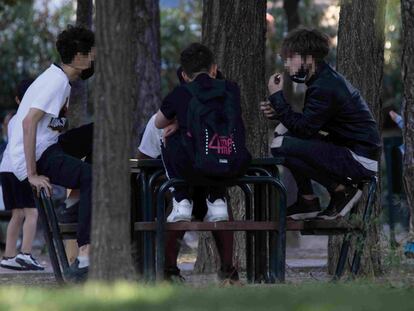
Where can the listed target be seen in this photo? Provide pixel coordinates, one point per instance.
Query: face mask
(300, 76)
(87, 73)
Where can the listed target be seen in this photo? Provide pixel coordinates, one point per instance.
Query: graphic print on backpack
(215, 138)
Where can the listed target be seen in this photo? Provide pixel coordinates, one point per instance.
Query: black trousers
(178, 165)
(326, 163)
(62, 163)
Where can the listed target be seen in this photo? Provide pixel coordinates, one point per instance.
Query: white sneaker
(27, 261)
(181, 211)
(216, 211)
(11, 263)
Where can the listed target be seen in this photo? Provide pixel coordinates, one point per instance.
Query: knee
(18, 214)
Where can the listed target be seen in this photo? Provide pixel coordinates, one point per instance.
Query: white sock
(83, 261)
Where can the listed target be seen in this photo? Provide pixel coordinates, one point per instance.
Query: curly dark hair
(74, 40)
(304, 41)
(195, 58)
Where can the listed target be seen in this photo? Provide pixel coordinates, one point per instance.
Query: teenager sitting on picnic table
(37, 150)
(150, 148)
(334, 141)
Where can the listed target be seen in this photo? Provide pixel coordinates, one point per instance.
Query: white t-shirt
(49, 93)
(5, 165)
(151, 140)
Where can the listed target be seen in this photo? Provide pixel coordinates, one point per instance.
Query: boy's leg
(70, 172)
(29, 229)
(332, 166)
(13, 231)
(329, 164)
(224, 242)
(172, 248)
(78, 142)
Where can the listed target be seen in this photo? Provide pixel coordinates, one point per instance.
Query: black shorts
(16, 193)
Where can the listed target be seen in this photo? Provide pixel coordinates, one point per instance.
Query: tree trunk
(78, 112)
(407, 14)
(361, 24)
(111, 221)
(292, 13)
(235, 31)
(147, 65)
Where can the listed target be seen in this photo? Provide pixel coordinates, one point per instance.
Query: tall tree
(147, 64)
(111, 227)
(407, 13)
(361, 24)
(78, 113)
(235, 31)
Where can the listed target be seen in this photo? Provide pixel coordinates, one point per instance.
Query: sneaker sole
(303, 216)
(13, 268)
(29, 266)
(217, 219)
(179, 220)
(348, 207)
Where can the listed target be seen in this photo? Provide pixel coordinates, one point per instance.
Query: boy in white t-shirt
(18, 198)
(39, 153)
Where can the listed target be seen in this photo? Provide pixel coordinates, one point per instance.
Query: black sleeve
(318, 109)
(170, 104)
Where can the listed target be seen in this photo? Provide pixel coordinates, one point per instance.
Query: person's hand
(41, 182)
(275, 83)
(268, 110)
(169, 130)
(393, 115)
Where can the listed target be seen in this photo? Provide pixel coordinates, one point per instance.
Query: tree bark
(235, 31)
(111, 221)
(407, 14)
(78, 112)
(147, 65)
(360, 59)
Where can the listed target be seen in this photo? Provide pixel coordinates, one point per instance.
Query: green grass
(124, 296)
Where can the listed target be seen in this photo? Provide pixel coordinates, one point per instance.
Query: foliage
(180, 26)
(27, 36)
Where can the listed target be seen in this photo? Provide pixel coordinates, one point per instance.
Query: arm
(161, 121)
(317, 111)
(29, 143)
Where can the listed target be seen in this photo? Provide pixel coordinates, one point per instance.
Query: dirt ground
(306, 261)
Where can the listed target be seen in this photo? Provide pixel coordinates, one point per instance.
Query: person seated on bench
(18, 197)
(334, 141)
(150, 148)
(210, 129)
(40, 153)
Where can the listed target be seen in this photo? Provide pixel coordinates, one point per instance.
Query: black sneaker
(173, 275)
(341, 203)
(304, 209)
(76, 274)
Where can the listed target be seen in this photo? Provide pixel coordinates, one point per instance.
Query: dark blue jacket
(334, 106)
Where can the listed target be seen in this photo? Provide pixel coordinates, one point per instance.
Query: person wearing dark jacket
(334, 141)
